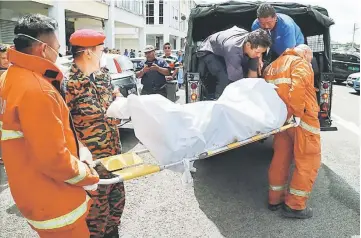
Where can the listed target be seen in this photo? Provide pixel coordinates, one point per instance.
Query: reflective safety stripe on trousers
(299, 193)
(277, 188)
(280, 81)
(10, 134)
(307, 127)
(64, 220)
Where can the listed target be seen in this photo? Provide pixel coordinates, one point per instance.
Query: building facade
(167, 21)
(122, 21)
(128, 24)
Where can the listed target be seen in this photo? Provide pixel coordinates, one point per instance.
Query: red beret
(86, 38)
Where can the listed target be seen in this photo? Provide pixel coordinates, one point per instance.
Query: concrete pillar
(165, 38)
(110, 26)
(167, 11)
(142, 39)
(156, 12)
(57, 12)
(178, 43)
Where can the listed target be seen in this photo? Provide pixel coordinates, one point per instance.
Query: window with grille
(316, 43)
(7, 31)
(150, 12)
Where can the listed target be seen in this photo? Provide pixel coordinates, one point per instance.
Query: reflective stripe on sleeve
(64, 220)
(299, 193)
(80, 176)
(10, 134)
(277, 188)
(280, 81)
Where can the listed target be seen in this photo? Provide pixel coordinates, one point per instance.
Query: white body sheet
(173, 132)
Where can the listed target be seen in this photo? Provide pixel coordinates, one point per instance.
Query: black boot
(113, 234)
(275, 207)
(300, 214)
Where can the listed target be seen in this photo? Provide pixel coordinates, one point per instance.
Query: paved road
(229, 194)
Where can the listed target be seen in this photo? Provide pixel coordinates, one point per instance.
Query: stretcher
(130, 165)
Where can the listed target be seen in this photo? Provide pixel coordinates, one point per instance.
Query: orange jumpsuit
(40, 151)
(294, 77)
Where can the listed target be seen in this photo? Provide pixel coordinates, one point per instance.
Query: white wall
(129, 44)
(86, 23)
(129, 18)
(90, 8)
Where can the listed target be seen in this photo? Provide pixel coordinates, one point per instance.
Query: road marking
(346, 124)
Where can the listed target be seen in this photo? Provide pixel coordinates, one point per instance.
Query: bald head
(305, 52)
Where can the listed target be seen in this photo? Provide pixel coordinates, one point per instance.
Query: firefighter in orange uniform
(292, 73)
(39, 146)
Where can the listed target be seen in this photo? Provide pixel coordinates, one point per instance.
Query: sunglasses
(166, 48)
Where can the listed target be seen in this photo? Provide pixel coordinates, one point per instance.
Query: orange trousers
(79, 231)
(304, 148)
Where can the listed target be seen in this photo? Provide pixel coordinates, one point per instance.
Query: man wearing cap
(153, 73)
(39, 146)
(96, 131)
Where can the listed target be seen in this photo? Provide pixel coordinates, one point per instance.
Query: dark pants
(147, 91)
(217, 68)
(107, 208)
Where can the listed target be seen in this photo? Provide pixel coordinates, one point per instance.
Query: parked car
(356, 85)
(122, 76)
(351, 78)
(136, 62)
(344, 64)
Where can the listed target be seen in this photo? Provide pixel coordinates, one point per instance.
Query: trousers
(107, 208)
(304, 148)
(217, 68)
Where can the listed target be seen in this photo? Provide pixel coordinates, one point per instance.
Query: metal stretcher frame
(134, 167)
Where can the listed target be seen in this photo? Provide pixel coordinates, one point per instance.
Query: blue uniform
(286, 33)
(153, 81)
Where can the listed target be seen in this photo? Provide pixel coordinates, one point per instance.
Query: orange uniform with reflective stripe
(39, 148)
(295, 81)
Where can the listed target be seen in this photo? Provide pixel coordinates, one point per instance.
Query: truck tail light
(324, 115)
(194, 96)
(324, 106)
(194, 86)
(193, 91)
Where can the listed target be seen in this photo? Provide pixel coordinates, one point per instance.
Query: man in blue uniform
(285, 33)
(153, 73)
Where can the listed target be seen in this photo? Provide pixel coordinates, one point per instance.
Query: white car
(351, 79)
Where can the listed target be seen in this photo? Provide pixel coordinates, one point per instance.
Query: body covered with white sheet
(173, 132)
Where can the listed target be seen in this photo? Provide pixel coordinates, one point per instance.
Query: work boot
(299, 214)
(275, 207)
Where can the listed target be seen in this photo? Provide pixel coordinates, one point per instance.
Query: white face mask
(103, 61)
(47, 45)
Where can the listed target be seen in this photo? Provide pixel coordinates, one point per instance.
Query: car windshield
(123, 81)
